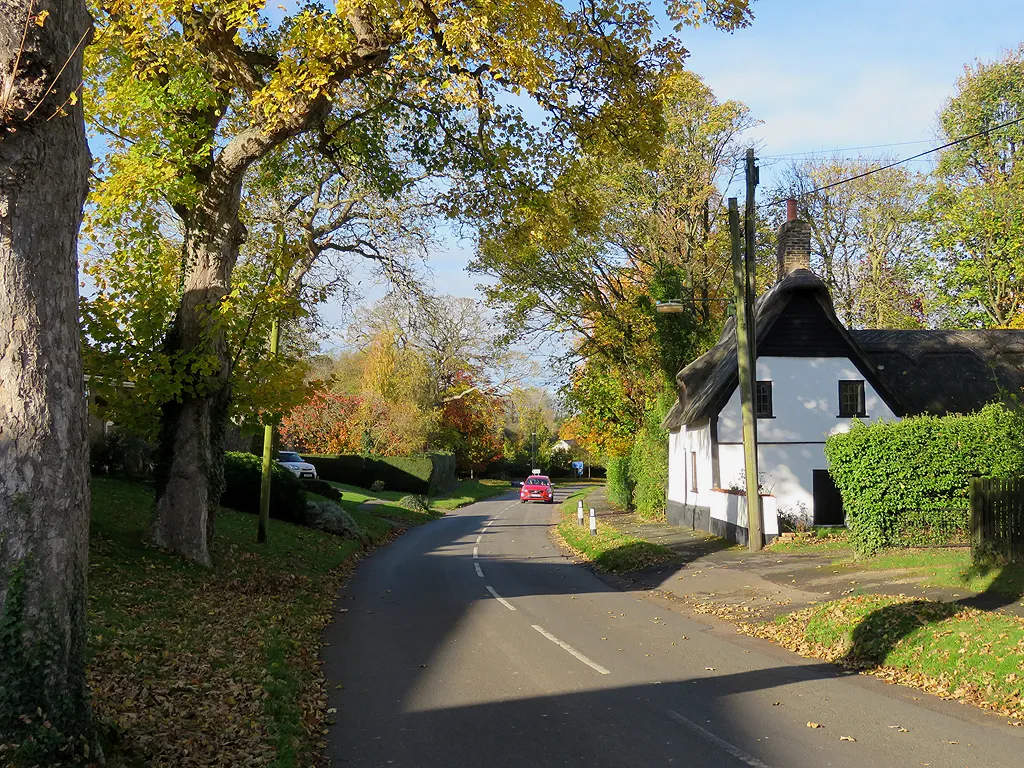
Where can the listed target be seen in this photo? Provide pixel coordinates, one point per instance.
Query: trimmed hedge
(907, 483)
(430, 473)
(243, 474)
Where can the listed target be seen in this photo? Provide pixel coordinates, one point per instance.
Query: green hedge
(243, 474)
(430, 473)
(620, 486)
(907, 483)
(648, 464)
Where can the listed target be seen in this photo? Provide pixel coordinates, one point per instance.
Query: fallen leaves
(193, 667)
(812, 724)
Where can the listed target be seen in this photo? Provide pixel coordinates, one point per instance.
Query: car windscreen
(283, 456)
(537, 481)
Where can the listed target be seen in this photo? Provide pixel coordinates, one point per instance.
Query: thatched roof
(914, 372)
(706, 384)
(941, 372)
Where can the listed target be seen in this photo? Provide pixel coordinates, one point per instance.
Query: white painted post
(579, 511)
(593, 522)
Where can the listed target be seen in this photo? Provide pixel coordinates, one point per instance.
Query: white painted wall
(677, 465)
(695, 438)
(805, 393)
(732, 508)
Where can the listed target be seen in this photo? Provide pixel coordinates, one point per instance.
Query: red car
(537, 488)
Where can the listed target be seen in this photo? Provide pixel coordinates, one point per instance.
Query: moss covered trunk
(44, 492)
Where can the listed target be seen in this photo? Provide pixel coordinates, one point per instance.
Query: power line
(845, 149)
(953, 143)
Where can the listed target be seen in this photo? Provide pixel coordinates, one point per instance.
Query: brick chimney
(794, 248)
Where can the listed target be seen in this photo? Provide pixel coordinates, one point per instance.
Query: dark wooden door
(828, 504)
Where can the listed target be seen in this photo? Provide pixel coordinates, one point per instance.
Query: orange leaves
(326, 423)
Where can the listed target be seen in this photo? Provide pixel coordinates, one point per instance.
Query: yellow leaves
(41, 17)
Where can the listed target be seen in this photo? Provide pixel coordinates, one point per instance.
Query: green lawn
(944, 648)
(187, 663)
(470, 491)
(948, 567)
(609, 550)
(465, 492)
(359, 495)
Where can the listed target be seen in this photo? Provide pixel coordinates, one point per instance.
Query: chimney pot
(791, 209)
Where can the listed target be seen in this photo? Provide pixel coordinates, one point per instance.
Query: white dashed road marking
(499, 598)
(732, 749)
(565, 646)
(476, 552)
(478, 538)
(479, 572)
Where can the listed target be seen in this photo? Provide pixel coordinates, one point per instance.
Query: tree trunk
(44, 482)
(190, 473)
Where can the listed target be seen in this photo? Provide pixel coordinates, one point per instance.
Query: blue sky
(830, 74)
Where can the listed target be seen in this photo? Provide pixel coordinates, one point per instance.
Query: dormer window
(851, 399)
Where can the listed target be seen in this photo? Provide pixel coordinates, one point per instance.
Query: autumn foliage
(472, 427)
(328, 422)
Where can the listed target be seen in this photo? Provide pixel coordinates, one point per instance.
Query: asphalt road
(471, 641)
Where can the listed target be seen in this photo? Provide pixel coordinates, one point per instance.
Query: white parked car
(294, 463)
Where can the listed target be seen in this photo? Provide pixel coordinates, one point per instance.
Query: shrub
(243, 473)
(120, 452)
(329, 517)
(322, 488)
(377, 486)
(430, 473)
(907, 482)
(620, 486)
(415, 503)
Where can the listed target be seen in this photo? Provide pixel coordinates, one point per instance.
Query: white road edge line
(565, 646)
(499, 598)
(479, 572)
(476, 551)
(732, 749)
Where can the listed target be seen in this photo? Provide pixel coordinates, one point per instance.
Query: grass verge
(469, 492)
(194, 666)
(945, 648)
(948, 567)
(610, 550)
(373, 518)
(359, 495)
(824, 541)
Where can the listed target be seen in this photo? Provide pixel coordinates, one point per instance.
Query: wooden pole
(745, 362)
(268, 430)
(750, 252)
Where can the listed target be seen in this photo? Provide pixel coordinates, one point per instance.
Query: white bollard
(593, 522)
(579, 512)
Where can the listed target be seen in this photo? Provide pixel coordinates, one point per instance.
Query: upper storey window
(851, 399)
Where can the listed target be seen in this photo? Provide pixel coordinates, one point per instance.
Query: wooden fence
(997, 517)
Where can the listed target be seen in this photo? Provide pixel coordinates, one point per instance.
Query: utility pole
(268, 430)
(755, 515)
(745, 362)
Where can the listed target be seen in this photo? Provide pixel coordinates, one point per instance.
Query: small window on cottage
(851, 399)
(763, 400)
(693, 471)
